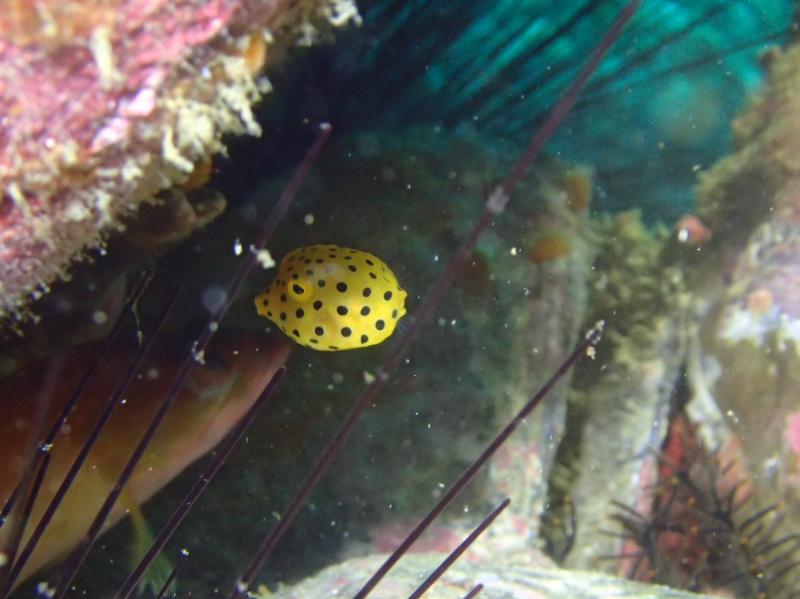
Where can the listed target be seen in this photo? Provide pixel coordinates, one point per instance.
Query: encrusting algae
(165, 81)
(331, 298)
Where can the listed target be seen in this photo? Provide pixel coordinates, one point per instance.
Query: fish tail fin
(159, 571)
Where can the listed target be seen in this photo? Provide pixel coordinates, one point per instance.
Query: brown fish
(217, 394)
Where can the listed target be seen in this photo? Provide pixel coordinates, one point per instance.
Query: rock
(107, 102)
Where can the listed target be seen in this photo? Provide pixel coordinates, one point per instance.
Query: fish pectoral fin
(159, 571)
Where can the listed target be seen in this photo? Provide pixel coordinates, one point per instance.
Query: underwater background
(676, 78)
(664, 205)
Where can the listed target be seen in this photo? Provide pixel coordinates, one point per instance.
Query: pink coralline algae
(105, 102)
(792, 432)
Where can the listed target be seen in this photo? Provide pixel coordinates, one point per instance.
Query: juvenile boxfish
(331, 298)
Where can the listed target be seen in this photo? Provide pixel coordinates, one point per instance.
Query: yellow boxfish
(331, 298)
(217, 394)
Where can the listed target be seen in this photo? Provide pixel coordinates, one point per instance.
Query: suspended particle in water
(43, 589)
(263, 257)
(214, 297)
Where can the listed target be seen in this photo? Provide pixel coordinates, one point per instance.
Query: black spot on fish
(317, 305)
(296, 333)
(346, 332)
(351, 268)
(379, 324)
(341, 286)
(283, 297)
(299, 313)
(387, 296)
(364, 310)
(364, 338)
(341, 310)
(283, 315)
(367, 292)
(372, 275)
(321, 282)
(298, 289)
(319, 331)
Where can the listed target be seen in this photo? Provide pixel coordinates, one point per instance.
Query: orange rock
(549, 246)
(255, 54)
(200, 175)
(578, 185)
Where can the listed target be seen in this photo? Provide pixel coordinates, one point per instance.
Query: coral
(106, 102)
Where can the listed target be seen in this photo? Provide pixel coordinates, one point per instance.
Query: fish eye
(300, 290)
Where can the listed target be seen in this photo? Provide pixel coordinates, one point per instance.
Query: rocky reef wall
(106, 102)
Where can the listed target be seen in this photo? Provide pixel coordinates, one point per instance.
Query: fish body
(331, 298)
(214, 399)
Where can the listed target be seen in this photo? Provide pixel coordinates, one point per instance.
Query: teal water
(658, 109)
